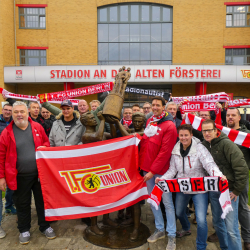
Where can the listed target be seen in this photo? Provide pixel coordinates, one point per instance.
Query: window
(135, 34)
(237, 56)
(32, 57)
(32, 18)
(238, 16)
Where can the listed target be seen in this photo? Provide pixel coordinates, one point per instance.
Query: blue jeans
(8, 198)
(228, 229)
(169, 207)
(201, 204)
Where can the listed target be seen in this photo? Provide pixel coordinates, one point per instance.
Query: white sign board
(139, 73)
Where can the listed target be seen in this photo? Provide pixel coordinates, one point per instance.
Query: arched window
(135, 33)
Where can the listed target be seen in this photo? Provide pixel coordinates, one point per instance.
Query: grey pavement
(70, 234)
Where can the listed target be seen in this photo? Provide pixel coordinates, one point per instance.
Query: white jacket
(195, 163)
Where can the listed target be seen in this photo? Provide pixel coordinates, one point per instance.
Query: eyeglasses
(7, 110)
(146, 108)
(207, 131)
(204, 115)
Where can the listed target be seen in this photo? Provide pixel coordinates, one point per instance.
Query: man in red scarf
(126, 121)
(155, 152)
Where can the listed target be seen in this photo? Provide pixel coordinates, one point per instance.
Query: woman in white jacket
(191, 159)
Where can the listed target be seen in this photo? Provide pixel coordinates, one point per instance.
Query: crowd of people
(168, 149)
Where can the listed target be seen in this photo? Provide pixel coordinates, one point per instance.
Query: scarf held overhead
(216, 97)
(62, 95)
(238, 137)
(196, 184)
(8, 94)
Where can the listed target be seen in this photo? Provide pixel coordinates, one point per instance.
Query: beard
(231, 124)
(21, 123)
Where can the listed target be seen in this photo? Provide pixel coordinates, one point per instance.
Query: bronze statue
(114, 101)
(138, 120)
(91, 135)
(114, 237)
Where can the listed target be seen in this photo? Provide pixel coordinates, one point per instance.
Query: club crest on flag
(93, 179)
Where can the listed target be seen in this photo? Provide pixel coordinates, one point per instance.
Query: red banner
(90, 180)
(216, 97)
(197, 106)
(62, 95)
(238, 102)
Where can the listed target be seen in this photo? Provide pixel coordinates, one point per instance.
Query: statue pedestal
(117, 238)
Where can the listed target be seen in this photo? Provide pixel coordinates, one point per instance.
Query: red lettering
(215, 73)
(86, 73)
(109, 179)
(154, 73)
(219, 73)
(143, 73)
(149, 70)
(96, 74)
(63, 74)
(197, 72)
(203, 73)
(103, 73)
(114, 177)
(52, 74)
(122, 176)
(171, 72)
(113, 73)
(138, 73)
(57, 73)
(117, 176)
(79, 73)
(191, 74)
(74, 73)
(69, 73)
(161, 73)
(184, 73)
(209, 72)
(103, 180)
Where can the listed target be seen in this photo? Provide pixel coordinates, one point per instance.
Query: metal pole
(244, 116)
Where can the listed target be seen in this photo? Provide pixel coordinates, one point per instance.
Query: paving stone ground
(69, 234)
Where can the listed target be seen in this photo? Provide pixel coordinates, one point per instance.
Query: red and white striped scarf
(154, 119)
(238, 137)
(127, 122)
(152, 127)
(210, 183)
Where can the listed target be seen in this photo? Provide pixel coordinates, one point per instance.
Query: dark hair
(209, 121)
(185, 127)
(160, 99)
(136, 105)
(235, 108)
(7, 104)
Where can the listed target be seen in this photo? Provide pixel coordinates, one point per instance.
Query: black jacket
(47, 125)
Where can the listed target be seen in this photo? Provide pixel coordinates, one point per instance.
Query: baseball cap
(66, 103)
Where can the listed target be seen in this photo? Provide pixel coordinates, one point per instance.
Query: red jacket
(8, 154)
(155, 151)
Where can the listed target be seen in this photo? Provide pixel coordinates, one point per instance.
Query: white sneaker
(2, 233)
